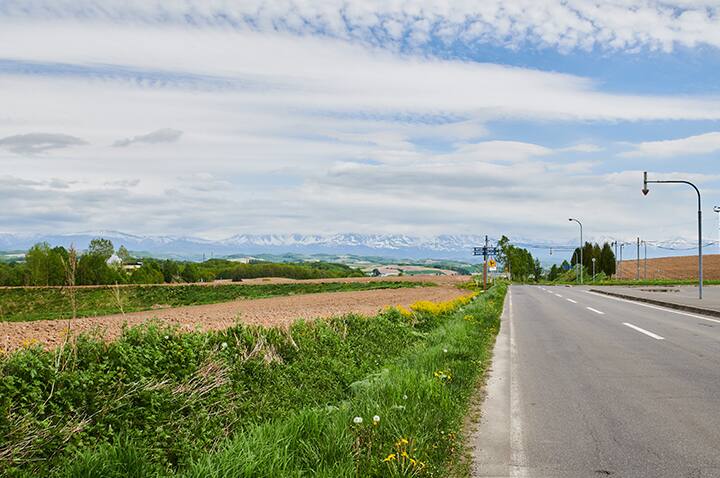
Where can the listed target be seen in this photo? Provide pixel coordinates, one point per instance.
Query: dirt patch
(276, 311)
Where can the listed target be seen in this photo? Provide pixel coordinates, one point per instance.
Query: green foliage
(519, 262)
(21, 304)
(101, 247)
(246, 401)
(45, 266)
(311, 270)
(93, 270)
(604, 258)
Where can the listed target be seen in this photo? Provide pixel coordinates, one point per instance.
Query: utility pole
(485, 263)
(485, 251)
(645, 191)
(637, 276)
(615, 243)
(717, 210)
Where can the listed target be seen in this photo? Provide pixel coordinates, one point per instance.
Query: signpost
(486, 251)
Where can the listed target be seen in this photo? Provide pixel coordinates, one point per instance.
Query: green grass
(249, 401)
(27, 304)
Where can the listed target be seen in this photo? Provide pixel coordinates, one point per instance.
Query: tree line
(604, 261)
(57, 266)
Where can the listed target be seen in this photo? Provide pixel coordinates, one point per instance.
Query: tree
(93, 270)
(190, 273)
(124, 254)
(554, 272)
(170, 270)
(607, 260)
(37, 262)
(101, 247)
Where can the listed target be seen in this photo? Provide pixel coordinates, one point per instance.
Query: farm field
(270, 311)
(671, 268)
(52, 303)
(353, 395)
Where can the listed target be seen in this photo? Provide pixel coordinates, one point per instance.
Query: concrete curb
(670, 305)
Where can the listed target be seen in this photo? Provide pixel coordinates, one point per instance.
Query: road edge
(669, 305)
(496, 444)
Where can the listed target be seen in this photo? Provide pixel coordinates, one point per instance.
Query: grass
(252, 402)
(27, 304)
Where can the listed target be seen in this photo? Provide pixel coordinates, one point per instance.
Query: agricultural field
(53, 303)
(671, 268)
(352, 395)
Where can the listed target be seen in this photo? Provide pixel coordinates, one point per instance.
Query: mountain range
(398, 246)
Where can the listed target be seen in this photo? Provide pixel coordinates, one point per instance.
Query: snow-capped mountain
(399, 246)
(390, 245)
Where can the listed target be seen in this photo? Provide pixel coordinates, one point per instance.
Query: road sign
(492, 265)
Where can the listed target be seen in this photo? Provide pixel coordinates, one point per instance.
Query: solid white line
(517, 450)
(650, 306)
(595, 310)
(643, 331)
(570, 300)
(559, 295)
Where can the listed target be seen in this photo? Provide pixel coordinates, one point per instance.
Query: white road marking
(559, 295)
(643, 331)
(649, 306)
(517, 451)
(570, 300)
(595, 310)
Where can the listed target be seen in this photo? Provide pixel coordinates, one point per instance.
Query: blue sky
(210, 118)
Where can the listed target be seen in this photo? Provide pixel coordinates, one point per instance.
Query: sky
(214, 117)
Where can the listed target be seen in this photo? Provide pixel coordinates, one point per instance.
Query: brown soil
(682, 267)
(276, 311)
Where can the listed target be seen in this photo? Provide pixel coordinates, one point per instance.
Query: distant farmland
(682, 267)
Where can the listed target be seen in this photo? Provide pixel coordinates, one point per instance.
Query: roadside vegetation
(101, 264)
(351, 396)
(51, 303)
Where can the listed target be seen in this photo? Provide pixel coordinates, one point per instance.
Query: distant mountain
(398, 246)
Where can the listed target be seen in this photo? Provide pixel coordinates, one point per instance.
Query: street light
(645, 191)
(593, 261)
(581, 248)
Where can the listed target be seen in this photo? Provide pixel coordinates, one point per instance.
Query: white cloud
(289, 133)
(166, 135)
(699, 144)
(33, 143)
(574, 24)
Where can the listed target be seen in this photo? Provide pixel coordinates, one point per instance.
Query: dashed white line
(595, 310)
(643, 331)
(558, 295)
(570, 300)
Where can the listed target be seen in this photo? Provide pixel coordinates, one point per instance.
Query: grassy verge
(250, 401)
(27, 304)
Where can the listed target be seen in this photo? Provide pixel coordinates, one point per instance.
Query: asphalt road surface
(587, 385)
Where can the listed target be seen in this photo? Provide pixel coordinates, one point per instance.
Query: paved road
(588, 385)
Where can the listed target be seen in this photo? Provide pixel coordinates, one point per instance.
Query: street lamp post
(645, 190)
(581, 248)
(593, 261)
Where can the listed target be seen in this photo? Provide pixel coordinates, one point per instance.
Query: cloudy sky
(216, 117)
